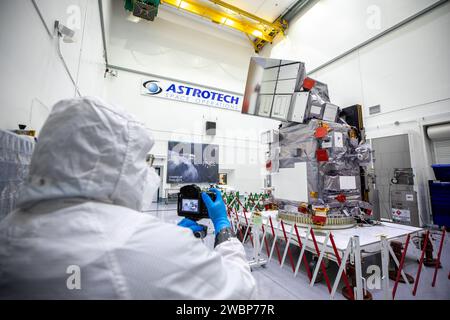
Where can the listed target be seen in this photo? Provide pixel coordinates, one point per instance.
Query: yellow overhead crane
(259, 31)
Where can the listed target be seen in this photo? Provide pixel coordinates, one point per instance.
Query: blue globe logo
(152, 87)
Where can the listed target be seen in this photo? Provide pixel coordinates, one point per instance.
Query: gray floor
(275, 282)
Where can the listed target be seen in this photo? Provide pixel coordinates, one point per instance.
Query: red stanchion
(416, 283)
(240, 203)
(265, 242)
(305, 261)
(338, 258)
(248, 227)
(438, 260)
(228, 210)
(244, 211)
(238, 226)
(400, 267)
(288, 248)
(276, 244)
(322, 265)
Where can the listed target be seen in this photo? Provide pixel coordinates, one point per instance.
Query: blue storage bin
(441, 171)
(440, 202)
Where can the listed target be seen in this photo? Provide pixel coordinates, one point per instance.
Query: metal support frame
(244, 211)
(102, 26)
(438, 260)
(236, 221)
(274, 243)
(257, 261)
(248, 228)
(302, 255)
(400, 266)
(385, 268)
(419, 270)
(397, 263)
(287, 250)
(359, 292)
(342, 266)
(232, 221)
(338, 258)
(265, 239)
(320, 263)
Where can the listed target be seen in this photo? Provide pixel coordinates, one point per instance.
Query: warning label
(401, 215)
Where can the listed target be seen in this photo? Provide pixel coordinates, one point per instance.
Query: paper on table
(347, 182)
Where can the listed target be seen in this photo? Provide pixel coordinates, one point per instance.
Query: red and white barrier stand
(351, 254)
(244, 211)
(257, 223)
(237, 223)
(360, 290)
(422, 256)
(264, 238)
(274, 242)
(400, 265)
(302, 256)
(341, 270)
(287, 249)
(320, 263)
(438, 260)
(341, 263)
(385, 267)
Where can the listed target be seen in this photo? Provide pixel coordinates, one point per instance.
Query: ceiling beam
(261, 30)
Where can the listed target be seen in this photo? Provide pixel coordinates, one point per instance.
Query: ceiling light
(184, 5)
(229, 22)
(257, 33)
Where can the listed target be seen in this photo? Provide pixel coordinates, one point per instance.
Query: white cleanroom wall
(33, 76)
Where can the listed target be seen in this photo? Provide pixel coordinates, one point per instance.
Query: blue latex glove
(216, 210)
(191, 224)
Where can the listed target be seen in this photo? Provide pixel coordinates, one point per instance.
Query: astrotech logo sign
(152, 87)
(184, 92)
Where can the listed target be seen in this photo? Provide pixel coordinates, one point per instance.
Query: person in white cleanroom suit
(78, 232)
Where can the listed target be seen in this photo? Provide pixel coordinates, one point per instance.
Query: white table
(359, 241)
(369, 236)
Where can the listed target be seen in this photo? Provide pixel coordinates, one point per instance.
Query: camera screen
(190, 205)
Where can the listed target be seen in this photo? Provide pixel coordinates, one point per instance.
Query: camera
(190, 202)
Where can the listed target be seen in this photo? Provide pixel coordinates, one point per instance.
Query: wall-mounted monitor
(192, 162)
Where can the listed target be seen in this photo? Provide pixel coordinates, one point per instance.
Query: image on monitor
(192, 163)
(190, 205)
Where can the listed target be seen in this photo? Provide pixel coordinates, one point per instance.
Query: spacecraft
(316, 162)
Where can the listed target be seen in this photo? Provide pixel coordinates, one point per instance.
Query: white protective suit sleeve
(182, 267)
